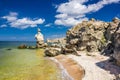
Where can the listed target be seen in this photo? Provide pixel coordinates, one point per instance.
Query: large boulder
(51, 52)
(39, 39)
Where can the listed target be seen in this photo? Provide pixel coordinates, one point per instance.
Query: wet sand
(75, 71)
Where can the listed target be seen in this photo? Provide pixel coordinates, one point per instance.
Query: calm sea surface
(25, 64)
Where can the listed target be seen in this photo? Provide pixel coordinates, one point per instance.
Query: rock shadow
(109, 66)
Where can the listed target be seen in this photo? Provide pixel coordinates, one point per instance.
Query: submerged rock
(9, 49)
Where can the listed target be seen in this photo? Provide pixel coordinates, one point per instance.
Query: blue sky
(19, 19)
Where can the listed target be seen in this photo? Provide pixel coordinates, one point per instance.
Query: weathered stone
(88, 35)
(40, 39)
(52, 52)
(116, 54)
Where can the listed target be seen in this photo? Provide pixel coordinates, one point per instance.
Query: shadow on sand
(110, 67)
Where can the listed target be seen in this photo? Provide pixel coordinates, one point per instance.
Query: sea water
(25, 64)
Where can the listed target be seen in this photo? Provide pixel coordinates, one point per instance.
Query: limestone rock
(88, 35)
(52, 52)
(57, 40)
(116, 54)
(110, 30)
(39, 39)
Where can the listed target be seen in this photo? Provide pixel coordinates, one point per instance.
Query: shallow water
(26, 64)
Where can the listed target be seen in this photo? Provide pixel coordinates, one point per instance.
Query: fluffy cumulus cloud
(74, 11)
(14, 21)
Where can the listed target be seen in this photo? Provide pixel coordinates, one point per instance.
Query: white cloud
(74, 11)
(3, 26)
(69, 21)
(48, 25)
(22, 23)
(11, 17)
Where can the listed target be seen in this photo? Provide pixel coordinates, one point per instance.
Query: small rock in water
(9, 49)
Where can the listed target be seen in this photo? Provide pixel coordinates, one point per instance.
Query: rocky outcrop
(57, 40)
(116, 43)
(109, 34)
(111, 29)
(56, 43)
(88, 35)
(52, 52)
(40, 39)
(94, 36)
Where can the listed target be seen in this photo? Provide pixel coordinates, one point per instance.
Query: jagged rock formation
(116, 43)
(96, 36)
(88, 35)
(40, 39)
(92, 36)
(56, 43)
(57, 40)
(110, 33)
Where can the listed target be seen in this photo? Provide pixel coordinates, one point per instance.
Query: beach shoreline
(95, 67)
(70, 70)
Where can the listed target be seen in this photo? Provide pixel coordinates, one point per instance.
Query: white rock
(39, 36)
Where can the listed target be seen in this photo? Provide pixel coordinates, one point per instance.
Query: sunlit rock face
(39, 39)
(88, 35)
(94, 35)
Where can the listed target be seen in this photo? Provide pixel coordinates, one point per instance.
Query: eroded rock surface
(92, 35)
(116, 43)
(39, 39)
(95, 36)
(51, 52)
(88, 35)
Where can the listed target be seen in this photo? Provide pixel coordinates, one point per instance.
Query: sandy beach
(96, 67)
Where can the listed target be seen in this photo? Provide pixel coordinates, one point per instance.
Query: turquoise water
(25, 64)
(14, 44)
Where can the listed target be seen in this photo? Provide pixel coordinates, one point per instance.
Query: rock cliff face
(92, 36)
(116, 43)
(96, 36)
(88, 35)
